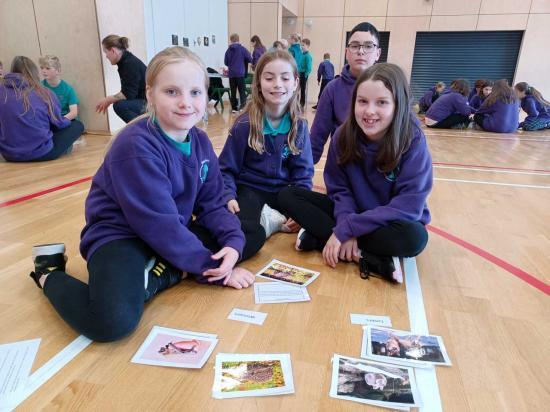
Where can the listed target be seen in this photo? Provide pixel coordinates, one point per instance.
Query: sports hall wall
(325, 23)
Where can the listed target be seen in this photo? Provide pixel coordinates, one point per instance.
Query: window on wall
(384, 44)
(444, 56)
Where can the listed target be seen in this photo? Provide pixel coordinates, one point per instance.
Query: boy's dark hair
(364, 26)
(501, 91)
(277, 43)
(306, 41)
(399, 135)
(462, 86)
(326, 56)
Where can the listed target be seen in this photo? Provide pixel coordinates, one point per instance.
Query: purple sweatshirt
(270, 171)
(147, 188)
(500, 117)
(476, 102)
(256, 54)
(426, 101)
(325, 71)
(534, 109)
(448, 103)
(236, 58)
(26, 136)
(332, 110)
(366, 199)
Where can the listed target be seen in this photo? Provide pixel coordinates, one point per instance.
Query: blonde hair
(256, 108)
(112, 40)
(28, 70)
(170, 55)
(48, 61)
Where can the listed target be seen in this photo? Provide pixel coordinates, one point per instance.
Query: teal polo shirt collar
(283, 128)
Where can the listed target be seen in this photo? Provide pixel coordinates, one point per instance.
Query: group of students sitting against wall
(490, 106)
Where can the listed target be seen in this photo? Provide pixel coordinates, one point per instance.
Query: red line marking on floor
(521, 274)
(43, 192)
(491, 167)
(526, 277)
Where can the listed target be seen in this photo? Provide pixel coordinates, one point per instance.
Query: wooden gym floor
(485, 284)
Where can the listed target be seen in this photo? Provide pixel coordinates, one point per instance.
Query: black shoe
(314, 107)
(47, 258)
(160, 275)
(378, 266)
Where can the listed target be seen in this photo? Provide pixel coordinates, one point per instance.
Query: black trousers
(303, 90)
(234, 84)
(324, 83)
(128, 110)
(314, 212)
(451, 121)
(110, 306)
(63, 140)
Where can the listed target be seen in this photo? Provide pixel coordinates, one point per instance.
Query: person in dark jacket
(236, 59)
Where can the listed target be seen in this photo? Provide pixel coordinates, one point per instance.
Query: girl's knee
(115, 324)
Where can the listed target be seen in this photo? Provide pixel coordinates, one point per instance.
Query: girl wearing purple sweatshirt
(154, 212)
(451, 110)
(536, 107)
(485, 90)
(31, 126)
(378, 175)
(267, 149)
(499, 112)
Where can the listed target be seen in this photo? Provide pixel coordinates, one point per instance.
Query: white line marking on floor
(476, 169)
(50, 368)
(426, 378)
(481, 182)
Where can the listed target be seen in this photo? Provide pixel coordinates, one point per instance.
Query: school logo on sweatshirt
(285, 152)
(203, 171)
(392, 175)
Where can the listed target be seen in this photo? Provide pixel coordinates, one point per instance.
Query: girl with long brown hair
(499, 112)
(536, 107)
(267, 148)
(32, 128)
(378, 175)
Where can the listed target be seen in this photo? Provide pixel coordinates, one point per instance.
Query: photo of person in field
(251, 375)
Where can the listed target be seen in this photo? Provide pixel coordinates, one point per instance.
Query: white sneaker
(271, 220)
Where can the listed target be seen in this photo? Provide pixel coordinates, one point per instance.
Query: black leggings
(110, 306)
(314, 212)
(234, 84)
(63, 140)
(451, 121)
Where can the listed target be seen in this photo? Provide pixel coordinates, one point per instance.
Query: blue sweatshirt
(236, 58)
(146, 188)
(366, 199)
(26, 136)
(476, 102)
(332, 110)
(296, 51)
(450, 102)
(325, 71)
(270, 171)
(534, 109)
(426, 100)
(500, 117)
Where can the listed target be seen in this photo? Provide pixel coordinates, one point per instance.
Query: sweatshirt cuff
(343, 231)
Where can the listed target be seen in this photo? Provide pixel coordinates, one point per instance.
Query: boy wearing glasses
(362, 52)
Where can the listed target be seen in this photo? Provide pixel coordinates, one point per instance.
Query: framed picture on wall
(206, 41)
(185, 41)
(213, 39)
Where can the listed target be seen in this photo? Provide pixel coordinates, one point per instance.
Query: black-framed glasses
(368, 46)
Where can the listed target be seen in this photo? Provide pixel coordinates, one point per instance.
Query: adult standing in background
(130, 102)
(236, 59)
(258, 49)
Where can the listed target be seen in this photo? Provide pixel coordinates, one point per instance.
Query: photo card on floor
(239, 375)
(175, 348)
(403, 347)
(287, 273)
(373, 383)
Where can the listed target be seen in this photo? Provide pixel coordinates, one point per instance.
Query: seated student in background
(50, 68)
(140, 236)
(378, 175)
(325, 73)
(451, 109)
(362, 51)
(477, 87)
(430, 96)
(499, 112)
(32, 128)
(130, 102)
(267, 150)
(536, 107)
(484, 91)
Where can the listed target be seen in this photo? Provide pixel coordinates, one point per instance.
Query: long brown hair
(112, 40)
(398, 137)
(531, 91)
(501, 91)
(462, 86)
(29, 71)
(487, 83)
(256, 108)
